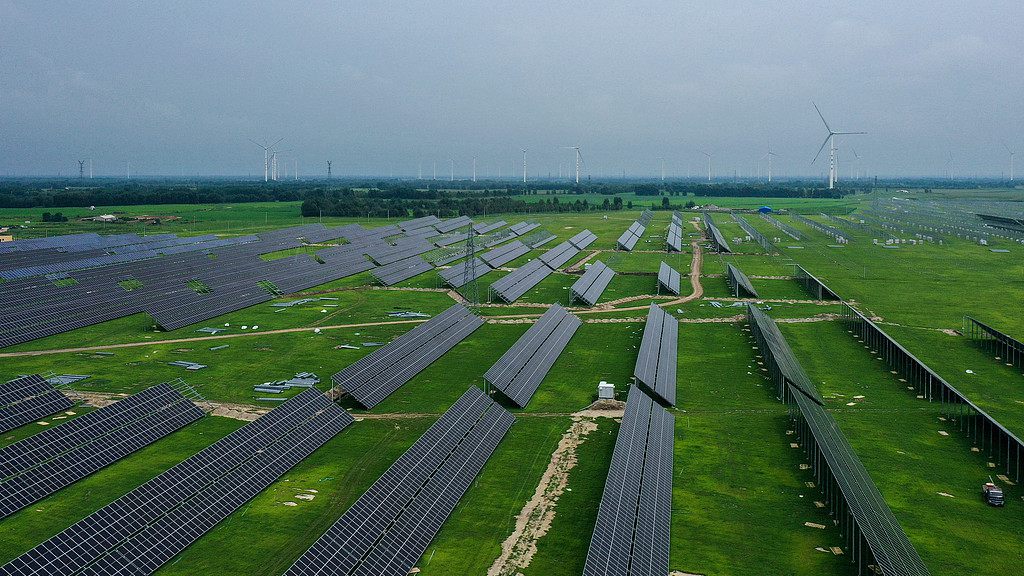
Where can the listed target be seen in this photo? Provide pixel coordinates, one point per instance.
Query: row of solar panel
(668, 279)
(674, 240)
(519, 282)
(156, 417)
(717, 239)
(373, 378)
(141, 530)
(27, 399)
(631, 236)
(387, 530)
(656, 361)
(632, 533)
(755, 234)
(592, 284)
(519, 372)
(739, 281)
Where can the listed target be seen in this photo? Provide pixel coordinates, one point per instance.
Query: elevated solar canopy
(27, 399)
(401, 270)
(518, 282)
(40, 465)
(715, 235)
(632, 534)
(592, 284)
(668, 279)
(631, 236)
(504, 254)
(738, 281)
(464, 272)
(583, 239)
(388, 529)
(142, 530)
(519, 372)
(373, 378)
(873, 534)
(656, 362)
(556, 257)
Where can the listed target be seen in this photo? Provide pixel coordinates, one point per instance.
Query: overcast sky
(382, 87)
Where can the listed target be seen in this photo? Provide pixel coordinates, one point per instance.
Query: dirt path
(534, 520)
(204, 338)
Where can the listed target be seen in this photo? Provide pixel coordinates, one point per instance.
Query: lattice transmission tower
(470, 290)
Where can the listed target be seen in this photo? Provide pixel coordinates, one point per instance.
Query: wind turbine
(709, 163)
(266, 156)
(769, 155)
(1012, 153)
(662, 158)
(949, 166)
(579, 161)
(856, 173)
(524, 165)
(474, 168)
(830, 140)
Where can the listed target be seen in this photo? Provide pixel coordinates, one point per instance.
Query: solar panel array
(484, 228)
(419, 223)
(523, 228)
(755, 234)
(787, 229)
(39, 466)
(373, 378)
(504, 254)
(783, 366)
(674, 239)
(456, 275)
(387, 530)
(583, 239)
(739, 281)
(632, 534)
(556, 257)
(27, 399)
(518, 282)
(143, 529)
(668, 279)
(812, 284)
(656, 363)
(537, 238)
(519, 372)
(716, 236)
(453, 224)
(592, 284)
(401, 270)
(631, 236)
(403, 248)
(825, 229)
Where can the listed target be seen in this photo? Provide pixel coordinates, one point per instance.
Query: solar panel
(519, 372)
(524, 228)
(592, 284)
(27, 399)
(456, 275)
(453, 224)
(505, 254)
(84, 542)
(373, 378)
(668, 278)
(627, 241)
(674, 239)
(510, 287)
(632, 534)
(716, 236)
(401, 270)
(390, 526)
(484, 228)
(656, 361)
(556, 257)
(583, 239)
(739, 281)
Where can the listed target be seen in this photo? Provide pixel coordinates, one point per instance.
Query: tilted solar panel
(656, 361)
(668, 278)
(592, 284)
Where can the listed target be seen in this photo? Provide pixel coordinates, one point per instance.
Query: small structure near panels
(519, 372)
(656, 363)
(592, 284)
(668, 279)
(738, 281)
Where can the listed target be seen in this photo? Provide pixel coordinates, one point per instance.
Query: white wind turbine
(1012, 154)
(769, 155)
(830, 140)
(524, 165)
(708, 154)
(662, 158)
(266, 156)
(579, 160)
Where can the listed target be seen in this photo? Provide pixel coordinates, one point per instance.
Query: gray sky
(382, 86)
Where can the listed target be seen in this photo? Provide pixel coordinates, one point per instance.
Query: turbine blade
(844, 133)
(827, 127)
(257, 143)
(822, 148)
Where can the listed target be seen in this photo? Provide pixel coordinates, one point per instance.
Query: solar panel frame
(592, 283)
(668, 278)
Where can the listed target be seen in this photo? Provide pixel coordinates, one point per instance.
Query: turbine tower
(474, 168)
(662, 158)
(328, 168)
(81, 168)
(830, 140)
(769, 155)
(579, 161)
(708, 154)
(856, 172)
(1012, 153)
(266, 156)
(524, 165)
